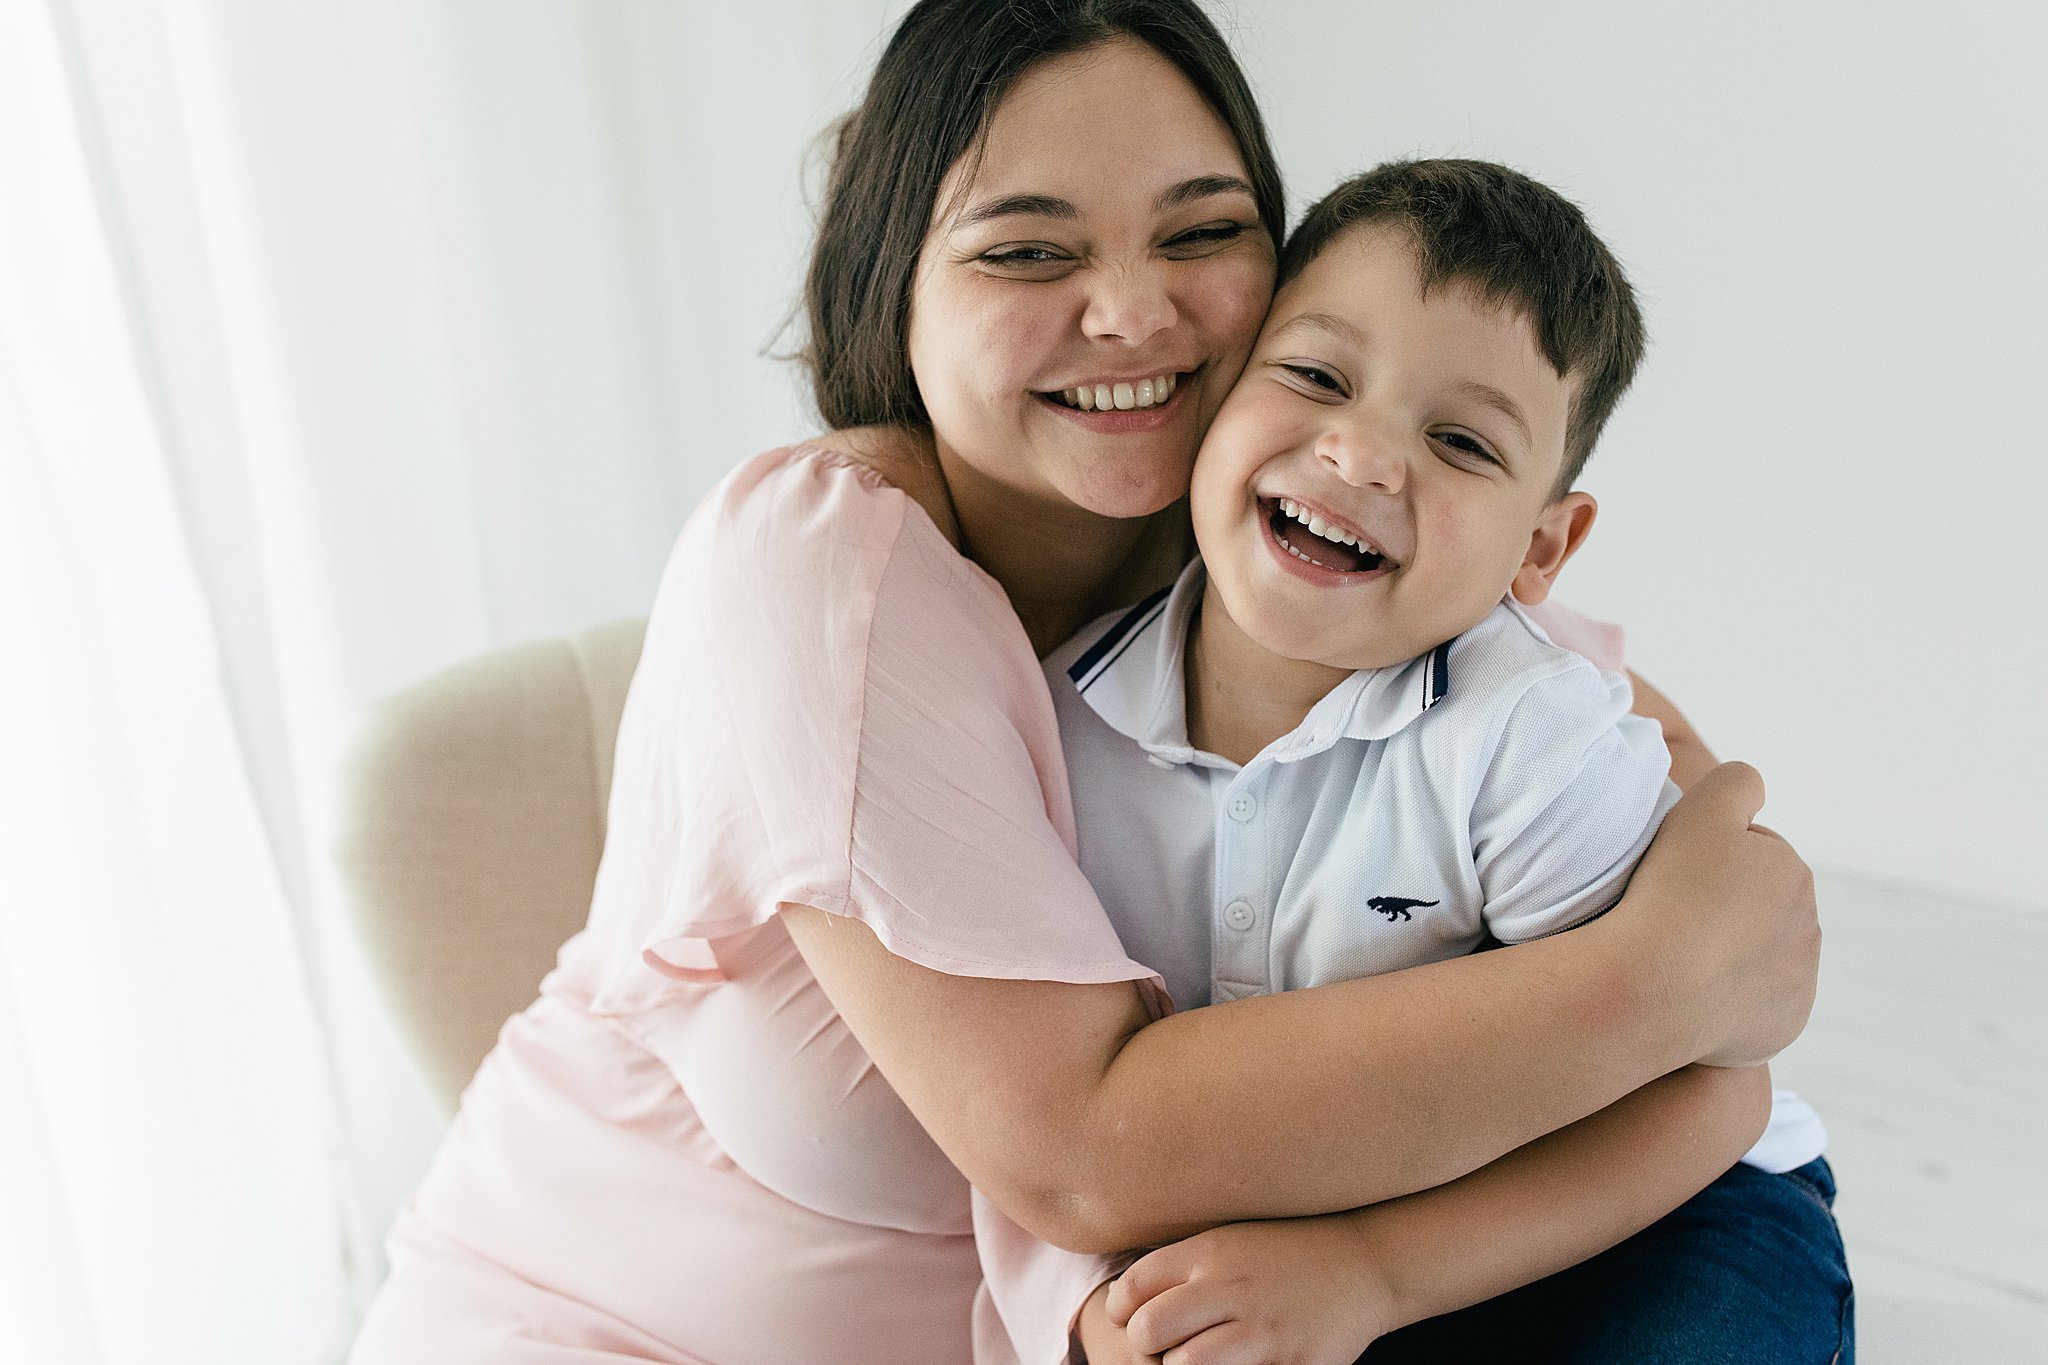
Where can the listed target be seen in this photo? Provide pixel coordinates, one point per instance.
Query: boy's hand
(1296, 1291)
(1104, 1342)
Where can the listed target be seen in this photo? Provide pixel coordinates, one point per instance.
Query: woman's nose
(1130, 306)
(1364, 455)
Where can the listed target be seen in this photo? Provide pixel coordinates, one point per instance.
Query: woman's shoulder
(857, 485)
(902, 460)
(851, 526)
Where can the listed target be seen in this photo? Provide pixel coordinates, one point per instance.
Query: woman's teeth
(1146, 393)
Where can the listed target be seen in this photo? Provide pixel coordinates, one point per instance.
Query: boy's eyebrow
(1340, 328)
(1500, 403)
(1051, 206)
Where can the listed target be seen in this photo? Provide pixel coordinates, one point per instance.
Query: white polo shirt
(1497, 786)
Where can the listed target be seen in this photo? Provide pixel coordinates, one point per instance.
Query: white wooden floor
(1927, 1056)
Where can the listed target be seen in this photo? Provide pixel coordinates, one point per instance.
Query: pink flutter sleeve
(856, 721)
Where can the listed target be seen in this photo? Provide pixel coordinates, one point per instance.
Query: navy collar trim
(1436, 676)
(1118, 638)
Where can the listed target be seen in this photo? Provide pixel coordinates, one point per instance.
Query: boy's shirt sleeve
(1571, 795)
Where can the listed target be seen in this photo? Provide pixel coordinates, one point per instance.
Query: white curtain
(166, 1156)
(336, 343)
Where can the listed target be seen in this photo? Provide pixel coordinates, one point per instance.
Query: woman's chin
(1126, 498)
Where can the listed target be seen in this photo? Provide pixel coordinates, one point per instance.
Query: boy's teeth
(1317, 526)
(1144, 393)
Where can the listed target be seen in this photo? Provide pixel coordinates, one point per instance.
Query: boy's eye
(1467, 447)
(1314, 375)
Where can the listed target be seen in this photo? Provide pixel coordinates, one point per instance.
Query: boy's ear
(1559, 533)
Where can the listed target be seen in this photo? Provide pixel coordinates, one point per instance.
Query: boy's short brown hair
(1521, 245)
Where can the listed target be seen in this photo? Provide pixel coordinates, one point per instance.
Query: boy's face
(1430, 431)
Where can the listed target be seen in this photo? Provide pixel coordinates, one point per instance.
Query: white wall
(520, 259)
(1822, 499)
(1822, 502)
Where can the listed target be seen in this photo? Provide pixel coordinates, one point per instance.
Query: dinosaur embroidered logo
(1396, 907)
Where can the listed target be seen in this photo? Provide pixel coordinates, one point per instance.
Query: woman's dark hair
(947, 67)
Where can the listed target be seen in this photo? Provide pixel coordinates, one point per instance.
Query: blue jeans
(1750, 1269)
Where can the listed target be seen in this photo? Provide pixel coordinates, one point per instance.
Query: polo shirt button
(1243, 807)
(1240, 916)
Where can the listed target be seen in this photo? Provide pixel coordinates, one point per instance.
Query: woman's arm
(1322, 1289)
(1097, 1130)
(1690, 758)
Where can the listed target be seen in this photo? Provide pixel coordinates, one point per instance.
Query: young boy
(1340, 745)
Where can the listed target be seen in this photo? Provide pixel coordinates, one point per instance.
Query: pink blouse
(679, 1152)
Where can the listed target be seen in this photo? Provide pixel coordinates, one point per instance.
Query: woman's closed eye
(1200, 241)
(1025, 254)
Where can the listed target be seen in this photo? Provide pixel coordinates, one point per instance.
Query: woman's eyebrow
(1201, 187)
(1051, 206)
(1017, 205)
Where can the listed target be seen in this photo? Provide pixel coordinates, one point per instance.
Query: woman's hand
(1725, 916)
(1301, 1291)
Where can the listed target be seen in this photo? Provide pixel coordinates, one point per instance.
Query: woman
(839, 827)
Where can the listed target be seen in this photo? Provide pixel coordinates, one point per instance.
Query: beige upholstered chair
(474, 817)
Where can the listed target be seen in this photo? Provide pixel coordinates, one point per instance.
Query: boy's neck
(1242, 696)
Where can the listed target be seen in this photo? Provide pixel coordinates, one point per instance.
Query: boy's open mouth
(1307, 536)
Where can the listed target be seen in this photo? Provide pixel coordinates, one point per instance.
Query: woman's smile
(1103, 394)
(1122, 407)
(1075, 323)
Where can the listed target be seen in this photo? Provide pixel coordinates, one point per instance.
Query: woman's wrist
(1388, 1298)
(1641, 984)
(1655, 975)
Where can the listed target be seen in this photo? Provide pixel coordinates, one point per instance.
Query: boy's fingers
(1173, 1316)
(1153, 1273)
(1230, 1344)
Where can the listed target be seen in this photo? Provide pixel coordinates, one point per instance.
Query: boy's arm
(1690, 757)
(1322, 1289)
(1567, 1196)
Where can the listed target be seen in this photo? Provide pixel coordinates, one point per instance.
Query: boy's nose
(1364, 456)
(1130, 305)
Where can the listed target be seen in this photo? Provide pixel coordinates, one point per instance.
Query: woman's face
(1106, 241)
